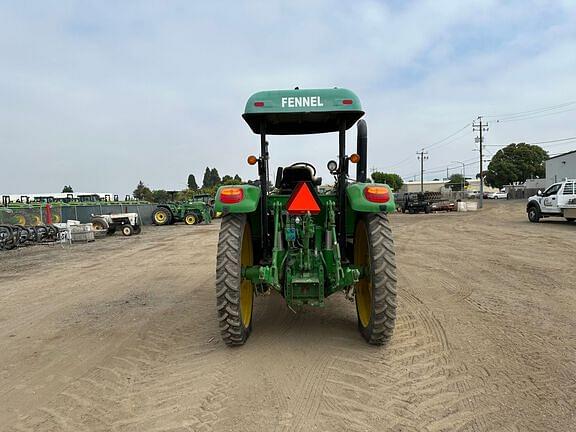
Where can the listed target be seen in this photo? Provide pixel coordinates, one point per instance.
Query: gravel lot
(121, 335)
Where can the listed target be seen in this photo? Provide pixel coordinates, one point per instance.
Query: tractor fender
(360, 203)
(248, 203)
(167, 207)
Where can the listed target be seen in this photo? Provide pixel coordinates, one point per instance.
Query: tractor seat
(287, 178)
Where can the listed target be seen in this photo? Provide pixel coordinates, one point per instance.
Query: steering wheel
(306, 164)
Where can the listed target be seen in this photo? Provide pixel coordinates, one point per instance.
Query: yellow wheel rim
(160, 217)
(190, 219)
(55, 218)
(36, 220)
(246, 287)
(364, 286)
(20, 220)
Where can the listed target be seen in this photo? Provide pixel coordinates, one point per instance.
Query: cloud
(102, 94)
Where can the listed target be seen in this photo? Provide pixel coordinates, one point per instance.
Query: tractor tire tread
(228, 280)
(384, 279)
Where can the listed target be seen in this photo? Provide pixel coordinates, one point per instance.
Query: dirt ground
(121, 335)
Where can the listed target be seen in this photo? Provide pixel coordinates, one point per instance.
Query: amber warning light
(231, 195)
(377, 194)
(303, 200)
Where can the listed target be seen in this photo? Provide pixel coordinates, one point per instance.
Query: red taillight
(303, 200)
(347, 102)
(231, 195)
(377, 194)
(259, 104)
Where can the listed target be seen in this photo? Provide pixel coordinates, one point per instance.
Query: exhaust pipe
(362, 150)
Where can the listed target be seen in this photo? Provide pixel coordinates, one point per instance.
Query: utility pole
(422, 155)
(463, 174)
(480, 127)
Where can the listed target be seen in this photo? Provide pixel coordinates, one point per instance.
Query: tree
(160, 196)
(142, 192)
(392, 180)
(67, 189)
(211, 178)
(455, 182)
(215, 177)
(516, 163)
(206, 181)
(192, 185)
(229, 180)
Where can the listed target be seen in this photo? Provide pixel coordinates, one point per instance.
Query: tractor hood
(296, 112)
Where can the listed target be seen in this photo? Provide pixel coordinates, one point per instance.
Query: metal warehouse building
(561, 167)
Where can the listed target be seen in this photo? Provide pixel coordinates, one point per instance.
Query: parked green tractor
(305, 241)
(189, 212)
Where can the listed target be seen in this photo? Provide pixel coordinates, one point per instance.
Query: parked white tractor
(128, 223)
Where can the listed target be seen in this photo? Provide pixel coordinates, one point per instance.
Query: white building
(438, 186)
(561, 167)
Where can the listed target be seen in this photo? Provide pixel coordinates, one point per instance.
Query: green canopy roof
(294, 112)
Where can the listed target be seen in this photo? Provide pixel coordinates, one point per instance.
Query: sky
(102, 94)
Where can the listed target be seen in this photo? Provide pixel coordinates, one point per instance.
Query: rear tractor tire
(376, 291)
(161, 216)
(234, 295)
(100, 224)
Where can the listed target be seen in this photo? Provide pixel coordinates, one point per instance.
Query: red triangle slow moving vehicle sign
(303, 200)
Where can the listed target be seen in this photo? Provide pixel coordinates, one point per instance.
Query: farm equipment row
(416, 202)
(12, 236)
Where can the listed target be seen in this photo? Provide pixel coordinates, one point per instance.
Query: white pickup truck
(558, 200)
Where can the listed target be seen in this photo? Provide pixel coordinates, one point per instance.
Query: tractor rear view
(302, 240)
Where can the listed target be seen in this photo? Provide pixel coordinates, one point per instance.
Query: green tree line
(210, 184)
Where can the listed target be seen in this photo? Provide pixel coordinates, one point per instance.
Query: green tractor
(301, 239)
(208, 200)
(189, 212)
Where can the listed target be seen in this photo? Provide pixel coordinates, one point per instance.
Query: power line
(529, 117)
(532, 111)
(444, 166)
(561, 140)
(499, 118)
(409, 158)
(441, 169)
(448, 137)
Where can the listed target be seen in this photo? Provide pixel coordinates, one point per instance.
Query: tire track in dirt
(418, 385)
(484, 340)
(85, 403)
